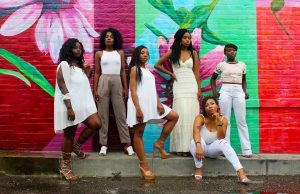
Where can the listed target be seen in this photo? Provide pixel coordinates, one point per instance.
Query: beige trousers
(110, 88)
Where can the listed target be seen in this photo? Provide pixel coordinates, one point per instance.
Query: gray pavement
(47, 163)
(167, 185)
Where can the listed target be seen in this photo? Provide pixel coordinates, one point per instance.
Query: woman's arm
(213, 84)
(123, 74)
(221, 127)
(98, 56)
(196, 73)
(64, 90)
(161, 61)
(198, 122)
(135, 99)
(244, 86)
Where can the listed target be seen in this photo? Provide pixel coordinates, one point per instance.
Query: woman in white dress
(73, 103)
(209, 132)
(186, 89)
(144, 106)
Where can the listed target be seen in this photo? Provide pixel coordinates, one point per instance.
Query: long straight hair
(176, 47)
(135, 62)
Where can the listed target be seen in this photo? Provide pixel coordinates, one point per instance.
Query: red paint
(279, 80)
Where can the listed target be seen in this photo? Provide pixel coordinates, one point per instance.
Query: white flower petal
(55, 38)
(21, 20)
(41, 30)
(87, 25)
(13, 3)
(86, 4)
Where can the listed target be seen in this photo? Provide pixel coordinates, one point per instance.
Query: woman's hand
(246, 95)
(199, 152)
(125, 94)
(160, 109)
(71, 114)
(173, 76)
(199, 95)
(96, 96)
(216, 94)
(139, 115)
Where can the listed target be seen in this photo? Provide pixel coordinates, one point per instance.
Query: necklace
(231, 62)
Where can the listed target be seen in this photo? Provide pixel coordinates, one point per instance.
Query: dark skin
(213, 122)
(230, 53)
(171, 118)
(109, 42)
(93, 121)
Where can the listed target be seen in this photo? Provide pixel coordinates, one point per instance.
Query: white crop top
(232, 73)
(110, 62)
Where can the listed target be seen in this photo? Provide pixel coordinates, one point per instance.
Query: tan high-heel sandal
(65, 169)
(163, 153)
(76, 150)
(243, 180)
(147, 174)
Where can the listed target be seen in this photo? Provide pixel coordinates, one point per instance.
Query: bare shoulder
(99, 53)
(121, 52)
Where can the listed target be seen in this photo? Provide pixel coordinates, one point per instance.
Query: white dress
(147, 96)
(82, 99)
(186, 104)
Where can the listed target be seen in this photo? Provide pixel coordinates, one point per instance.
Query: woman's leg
(139, 150)
(198, 163)
(239, 107)
(93, 123)
(120, 113)
(172, 119)
(66, 148)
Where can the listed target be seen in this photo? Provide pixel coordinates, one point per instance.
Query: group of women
(205, 134)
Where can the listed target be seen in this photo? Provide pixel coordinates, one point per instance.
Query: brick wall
(270, 50)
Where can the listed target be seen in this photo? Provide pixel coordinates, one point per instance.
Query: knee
(175, 117)
(96, 125)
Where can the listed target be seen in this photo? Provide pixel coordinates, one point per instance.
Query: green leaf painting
(196, 18)
(15, 74)
(28, 70)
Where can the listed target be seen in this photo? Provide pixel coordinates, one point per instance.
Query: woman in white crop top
(233, 95)
(208, 133)
(110, 85)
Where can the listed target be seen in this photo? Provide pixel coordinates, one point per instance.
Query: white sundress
(82, 99)
(147, 96)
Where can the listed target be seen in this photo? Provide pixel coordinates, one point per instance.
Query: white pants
(215, 149)
(233, 96)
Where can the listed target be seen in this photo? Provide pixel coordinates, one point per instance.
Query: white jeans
(215, 149)
(233, 96)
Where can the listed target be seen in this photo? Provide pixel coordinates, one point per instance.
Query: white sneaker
(129, 151)
(103, 151)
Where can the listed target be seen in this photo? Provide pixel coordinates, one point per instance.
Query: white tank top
(208, 136)
(110, 62)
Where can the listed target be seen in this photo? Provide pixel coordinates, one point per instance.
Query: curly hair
(205, 99)
(135, 61)
(176, 47)
(118, 40)
(66, 53)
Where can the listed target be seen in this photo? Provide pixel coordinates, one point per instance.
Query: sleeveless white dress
(186, 104)
(147, 96)
(82, 99)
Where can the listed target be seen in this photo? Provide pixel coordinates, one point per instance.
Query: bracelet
(66, 96)
(69, 107)
(198, 142)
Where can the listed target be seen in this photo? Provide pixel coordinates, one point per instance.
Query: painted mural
(32, 32)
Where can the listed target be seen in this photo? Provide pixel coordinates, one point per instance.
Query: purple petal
(87, 25)
(55, 37)
(171, 40)
(209, 62)
(86, 4)
(21, 20)
(13, 3)
(162, 45)
(41, 30)
(196, 39)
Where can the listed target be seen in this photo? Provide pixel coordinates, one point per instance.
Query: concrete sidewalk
(39, 163)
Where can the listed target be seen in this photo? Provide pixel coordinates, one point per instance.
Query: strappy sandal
(76, 150)
(147, 174)
(198, 177)
(244, 180)
(65, 169)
